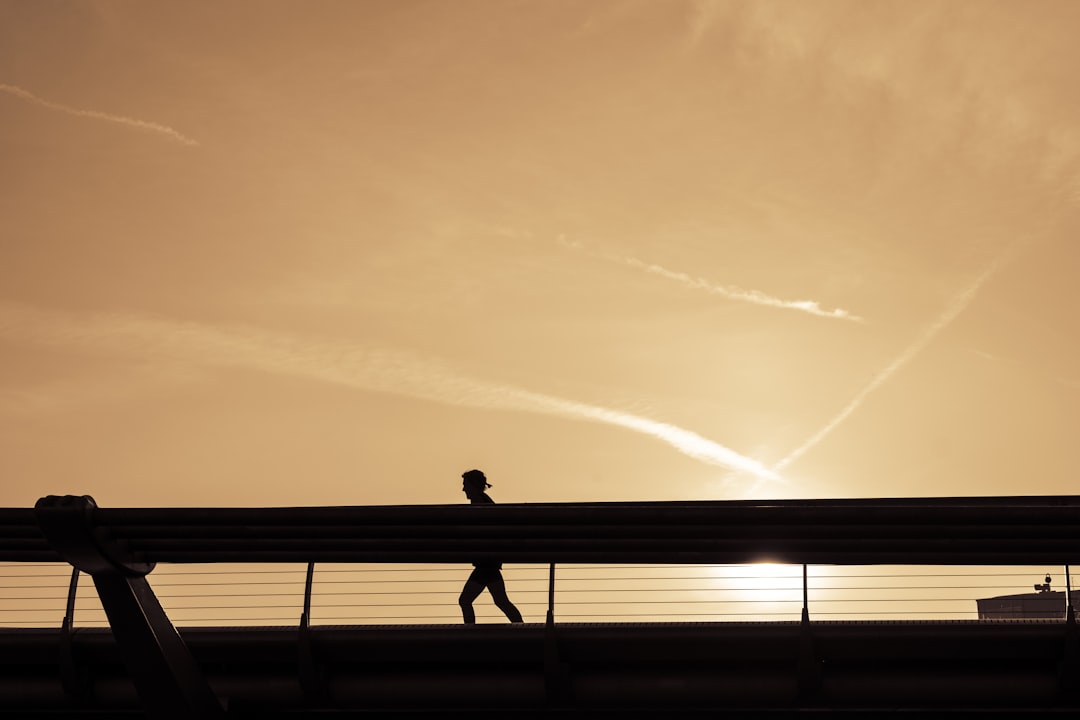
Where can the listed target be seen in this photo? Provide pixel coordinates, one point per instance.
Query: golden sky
(335, 253)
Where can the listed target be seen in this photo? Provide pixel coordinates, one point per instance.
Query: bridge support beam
(170, 683)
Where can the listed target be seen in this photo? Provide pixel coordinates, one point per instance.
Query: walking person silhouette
(488, 573)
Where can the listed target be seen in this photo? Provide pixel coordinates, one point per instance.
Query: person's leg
(473, 587)
(497, 588)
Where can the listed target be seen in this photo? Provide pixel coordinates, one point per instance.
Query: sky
(337, 253)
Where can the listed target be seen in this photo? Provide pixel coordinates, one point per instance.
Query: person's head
(473, 483)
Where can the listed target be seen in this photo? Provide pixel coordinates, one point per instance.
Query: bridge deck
(632, 668)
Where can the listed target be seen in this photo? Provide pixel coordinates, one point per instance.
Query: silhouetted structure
(1043, 603)
(144, 667)
(486, 573)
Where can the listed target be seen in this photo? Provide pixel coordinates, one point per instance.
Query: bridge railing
(613, 561)
(119, 547)
(35, 595)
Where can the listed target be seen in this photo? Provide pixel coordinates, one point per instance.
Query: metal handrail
(944, 531)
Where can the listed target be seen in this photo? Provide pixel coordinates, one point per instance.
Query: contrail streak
(377, 370)
(94, 114)
(958, 305)
(731, 292)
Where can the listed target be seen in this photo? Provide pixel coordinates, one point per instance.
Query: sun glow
(770, 580)
(762, 590)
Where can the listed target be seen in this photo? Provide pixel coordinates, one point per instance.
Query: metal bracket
(169, 681)
(67, 521)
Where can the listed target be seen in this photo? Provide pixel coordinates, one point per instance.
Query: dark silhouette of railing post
(169, 681)
(72, 680)
(1069, 669)
(1070, 613)
(551, 595)
(556, 682)
(309, 581)
(805, 597)
(311, 677)
(809, 663)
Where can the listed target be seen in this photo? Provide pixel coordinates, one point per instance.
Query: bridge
(142, 665)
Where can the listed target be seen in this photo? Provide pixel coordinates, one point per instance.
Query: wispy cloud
(733, 292)
(730, 292)
(95, 115)
(915, 59)
(958, 305)
(703, 15)
(363, 368)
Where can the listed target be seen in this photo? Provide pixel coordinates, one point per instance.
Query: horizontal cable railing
(35, 594)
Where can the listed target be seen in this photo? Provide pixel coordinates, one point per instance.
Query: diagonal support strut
(169, 681)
